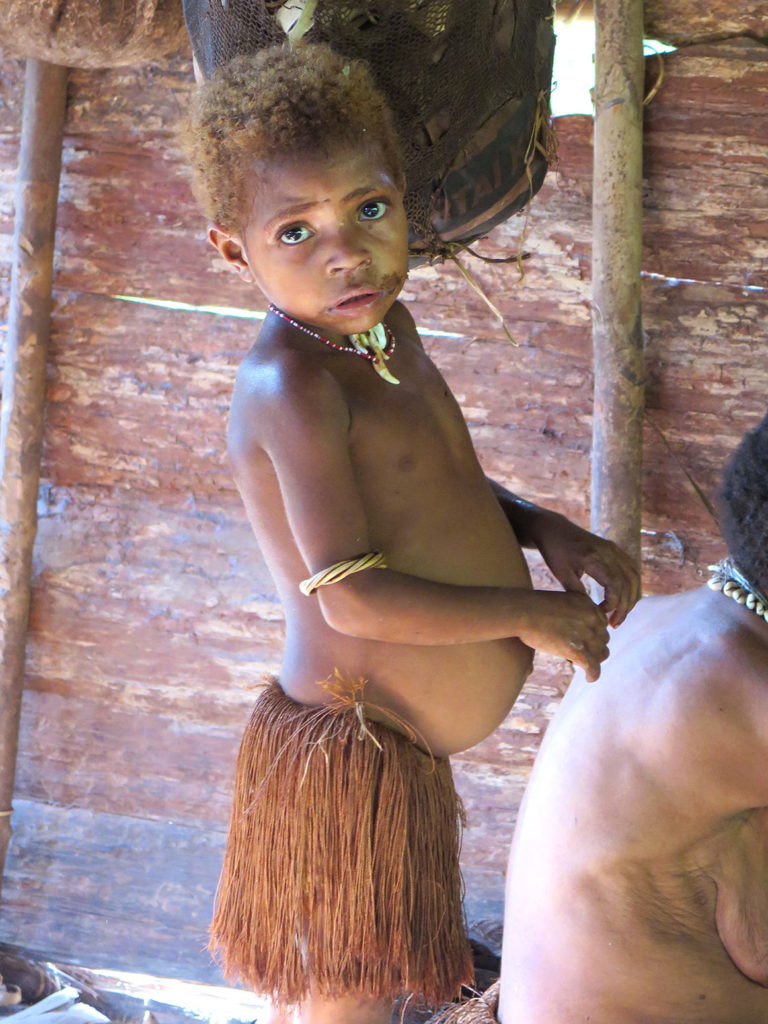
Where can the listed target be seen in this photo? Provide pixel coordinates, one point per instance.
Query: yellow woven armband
(340, 571)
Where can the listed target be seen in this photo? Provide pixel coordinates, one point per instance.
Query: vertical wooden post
(21, 426)
(617, 241)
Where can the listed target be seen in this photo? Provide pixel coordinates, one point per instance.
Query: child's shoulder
(279, 389)
(275, 372)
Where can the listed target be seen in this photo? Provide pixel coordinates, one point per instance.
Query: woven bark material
(342, 862)
(92, 33)
(481, 1010)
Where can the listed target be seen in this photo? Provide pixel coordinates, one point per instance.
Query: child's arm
(300, 419)
(571, 552)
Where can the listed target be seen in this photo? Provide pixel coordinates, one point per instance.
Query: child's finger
(590, 665)
(622, 589)
(615, 608)
(589, 654)
(626, 598)
(570, 581)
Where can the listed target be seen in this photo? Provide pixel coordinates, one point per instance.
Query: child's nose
(350, 252)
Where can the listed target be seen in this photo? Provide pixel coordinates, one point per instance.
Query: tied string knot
(348, 695)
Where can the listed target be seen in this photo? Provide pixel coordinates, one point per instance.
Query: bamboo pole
(617, 241)
(21, 425)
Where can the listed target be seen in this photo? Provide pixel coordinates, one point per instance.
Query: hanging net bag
(467, 81)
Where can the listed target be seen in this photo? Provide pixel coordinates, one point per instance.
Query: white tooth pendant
(373, 343)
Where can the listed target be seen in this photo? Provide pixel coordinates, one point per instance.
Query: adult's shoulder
(735, 709)
(680, 709)
(731, 643)
(674, 659)
(740, 657)
(718, 711)
(695, 646)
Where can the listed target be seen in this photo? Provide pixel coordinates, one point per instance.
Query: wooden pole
(21, 426)
(617, 241)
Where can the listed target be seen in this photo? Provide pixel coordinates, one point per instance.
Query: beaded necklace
(376, 345)
(727, 579)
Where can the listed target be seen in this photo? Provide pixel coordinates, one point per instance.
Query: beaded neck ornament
(376, 345)
(727, 579)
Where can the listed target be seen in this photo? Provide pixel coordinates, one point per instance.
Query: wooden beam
(617, 242)
(21, 426)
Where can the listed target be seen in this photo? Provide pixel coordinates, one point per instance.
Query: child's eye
(373, 210)
(295, 234)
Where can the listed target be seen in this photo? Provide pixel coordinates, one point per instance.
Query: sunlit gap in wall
(745, 288)
(573, 76)
(245, 314)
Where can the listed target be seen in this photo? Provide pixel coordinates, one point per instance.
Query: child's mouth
(355, 302)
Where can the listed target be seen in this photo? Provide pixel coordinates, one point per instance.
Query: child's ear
(231, 250)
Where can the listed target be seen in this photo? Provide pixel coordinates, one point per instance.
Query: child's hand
(571, 553)
(568, 625)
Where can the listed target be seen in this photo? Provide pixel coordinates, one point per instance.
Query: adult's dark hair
(744, 506)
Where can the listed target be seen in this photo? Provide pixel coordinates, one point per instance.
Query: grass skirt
(341, 871)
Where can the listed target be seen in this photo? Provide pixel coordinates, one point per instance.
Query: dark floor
(137, 999)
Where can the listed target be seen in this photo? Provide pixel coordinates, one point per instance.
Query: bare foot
(318, 1010)
(347, 1010)
(277, 1016)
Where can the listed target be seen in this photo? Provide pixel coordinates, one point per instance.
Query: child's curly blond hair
(279, 103)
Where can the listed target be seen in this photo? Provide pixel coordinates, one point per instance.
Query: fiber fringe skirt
(341, 872)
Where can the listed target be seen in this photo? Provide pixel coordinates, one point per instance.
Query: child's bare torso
(432, 513)
(636, 890)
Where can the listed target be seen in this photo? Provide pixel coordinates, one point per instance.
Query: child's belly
(452, 696)
(455, 695)
(464, 538)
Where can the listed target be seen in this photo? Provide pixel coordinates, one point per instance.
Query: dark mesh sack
(467, 80)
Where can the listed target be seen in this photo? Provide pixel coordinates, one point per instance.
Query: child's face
(327, 239)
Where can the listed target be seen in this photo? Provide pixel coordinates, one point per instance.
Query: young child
(410, 618)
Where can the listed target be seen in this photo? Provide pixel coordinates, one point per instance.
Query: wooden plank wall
(688, 21)
(153, 617)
